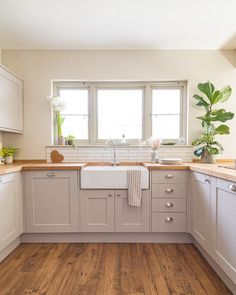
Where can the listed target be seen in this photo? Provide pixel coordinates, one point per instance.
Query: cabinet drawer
(169, 222)
(169, 176)
(169, 190)
(227, 186)
(169, 205)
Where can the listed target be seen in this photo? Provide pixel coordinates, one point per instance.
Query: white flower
(57, 104)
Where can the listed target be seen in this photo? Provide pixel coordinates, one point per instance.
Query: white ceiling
(146, 24)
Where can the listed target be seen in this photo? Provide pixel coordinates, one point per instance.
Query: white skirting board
(107, 238)
(6, 251)
(216, 268)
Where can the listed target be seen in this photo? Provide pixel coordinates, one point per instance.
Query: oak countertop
(209, 169)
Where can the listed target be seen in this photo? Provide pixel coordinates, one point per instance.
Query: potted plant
(8, 154)
(70, 139)
(1, 157)
(58, 106)
(208, 145)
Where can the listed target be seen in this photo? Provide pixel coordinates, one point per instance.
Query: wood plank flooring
(107, 269)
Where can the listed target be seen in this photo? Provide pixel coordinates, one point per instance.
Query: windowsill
(125, 146)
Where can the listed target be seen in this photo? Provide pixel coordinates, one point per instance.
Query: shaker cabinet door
(51, 201)
(97, 210)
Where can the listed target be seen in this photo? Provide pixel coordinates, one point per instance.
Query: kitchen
(105, 194)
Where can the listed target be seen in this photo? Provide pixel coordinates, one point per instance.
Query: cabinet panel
(169, 205)
(223, 226)
(51, 201)
(168, 190)
(130, 218)
(11, 102)
(200, 208)
(169, 222)
(169, 176)
(97, 210)
(11, 225)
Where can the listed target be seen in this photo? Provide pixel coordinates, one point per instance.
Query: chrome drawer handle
(169, 176)
(207, 181)
(232, 187)
(110, 195)
(51, 174)
(168, 205)
(169, 219)
(118, 194)
(169, 190)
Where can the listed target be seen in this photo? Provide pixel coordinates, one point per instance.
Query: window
(75, 112)
(166, 113)
(119, 113)
(97, 111)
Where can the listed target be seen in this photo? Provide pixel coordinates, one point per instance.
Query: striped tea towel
(134, 188)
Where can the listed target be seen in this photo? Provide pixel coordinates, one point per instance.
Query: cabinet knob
(169, 219)
(110, 195)
(51, 174)
(169, 176)
(118, 194)
(169, 190)
(232, 187)
(168, 205)
(207, 180)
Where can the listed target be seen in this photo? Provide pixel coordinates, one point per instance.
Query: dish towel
(134, 188)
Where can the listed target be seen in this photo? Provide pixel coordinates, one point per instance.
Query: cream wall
(0, 131)
(39, 67)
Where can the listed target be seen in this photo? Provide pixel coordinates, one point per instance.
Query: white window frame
(146, 86)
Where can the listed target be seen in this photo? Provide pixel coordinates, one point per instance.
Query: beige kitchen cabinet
(51, 199)
(11, 225)
(108, 211)
(11, 102)
(169, 201)
(129, 218)
(200, 206)
(97, 210)
(223, 226)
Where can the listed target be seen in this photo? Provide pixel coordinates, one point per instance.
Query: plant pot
(61, 140)
(154, 156)
(9, 159)
(70, 141)
(2, 161)
(207, 158)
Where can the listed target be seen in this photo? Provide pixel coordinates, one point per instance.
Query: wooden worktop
(209, 169)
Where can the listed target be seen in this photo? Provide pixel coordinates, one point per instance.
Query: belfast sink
(111, 177)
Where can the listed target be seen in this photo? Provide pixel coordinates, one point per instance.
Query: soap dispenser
(123, 140)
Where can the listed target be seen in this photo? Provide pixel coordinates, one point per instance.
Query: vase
(9, 159)
(207, 158)
(61, 140)
(154, 156)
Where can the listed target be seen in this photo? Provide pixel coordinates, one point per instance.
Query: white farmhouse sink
(111, 177)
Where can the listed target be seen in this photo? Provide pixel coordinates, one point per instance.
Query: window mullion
(147, 122)
(92, 114)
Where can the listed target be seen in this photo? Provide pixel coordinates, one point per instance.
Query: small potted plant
(8, 154)
(70, 139)
(1, 157)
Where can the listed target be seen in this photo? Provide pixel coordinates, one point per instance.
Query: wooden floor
(107, 269)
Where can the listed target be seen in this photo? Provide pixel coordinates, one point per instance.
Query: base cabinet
(11, 225)
(223, 226)
(51, 201)
(200, 205)
(108, 211)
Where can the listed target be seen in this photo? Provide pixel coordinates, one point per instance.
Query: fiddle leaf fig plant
(209, 98)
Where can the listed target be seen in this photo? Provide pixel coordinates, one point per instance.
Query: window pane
(76, 126)
(166, 126)
(76, 101)
(119, 112)
(166, 101)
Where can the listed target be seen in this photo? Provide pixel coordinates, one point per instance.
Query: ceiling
(117, 24)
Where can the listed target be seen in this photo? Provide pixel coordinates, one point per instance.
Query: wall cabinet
(108, 211)
(11, 225)
(200, 208)
(11, 102)
(223, 226)
(51, 201)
